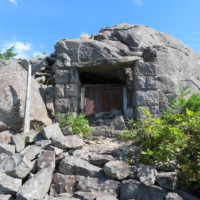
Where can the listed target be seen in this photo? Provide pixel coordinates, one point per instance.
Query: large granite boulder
(124, 43)
(175, 61)
(12, 99)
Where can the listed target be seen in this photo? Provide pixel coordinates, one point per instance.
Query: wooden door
(102, 99)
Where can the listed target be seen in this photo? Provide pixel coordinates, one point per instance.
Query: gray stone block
(64, 105)
(130, 113)
(145, 69)
(145, 98)
(140, 82)
(152, 82)
(59, 90)
(154, 110)
(139, 114)
(66, 76)
(72, 90)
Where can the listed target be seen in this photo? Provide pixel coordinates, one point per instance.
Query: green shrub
(162, 142)
(8, 54)
(78, 123)
(180, 102)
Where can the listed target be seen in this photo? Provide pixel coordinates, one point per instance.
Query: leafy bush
(180, 102)
(8, 54)
(78, 123)
(162, 142)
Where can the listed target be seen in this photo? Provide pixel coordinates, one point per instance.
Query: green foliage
(78, 123)
(129, 158)
(8, 54)
(38, 55)
(44, 53)
(180, 102)
(162, 142)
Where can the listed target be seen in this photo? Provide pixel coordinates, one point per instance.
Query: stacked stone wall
(145, 89)
(67, 91)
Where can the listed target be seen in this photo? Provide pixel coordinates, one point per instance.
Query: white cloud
(138, 2)
(13, 1)
(22, 49)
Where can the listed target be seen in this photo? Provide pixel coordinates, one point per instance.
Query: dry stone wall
(67, 91)
(145, 85)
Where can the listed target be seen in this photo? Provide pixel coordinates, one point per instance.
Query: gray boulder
(7, 149)
(3, 127)
(76, 166)
(67, 131)
(68, 142)
(63, 184)
(20, 141)
(5, 197)
(12, 98)
(17, 166)
(31, 152)
(167, 180)
(9, 185)
(46, 159)
(99, 159)
(2, 156)
(106, 197)
(33, 137)
(6, 136)
(172, 196)
(132, 189)
(87, 195)
(36, 187)
(63, 62)
(52, 131)
(118, 169)
(118, 123)
(185, 196)
(146, 174)
(105, 186)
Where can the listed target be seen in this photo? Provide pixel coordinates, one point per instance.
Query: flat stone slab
(52, 131)
(87, 195)
(106, 197)
(146, 174)
(9, 185)
(6, 136)
(6, 197)
(46, 159)
(31, 152)
(7, 149)
(36, 187)
(17, 166)
(76, 166)
(105, 186)
(117, 169)
(99, 159)
(132, 189)
(63, 184)
(68, 142)
(167, 180)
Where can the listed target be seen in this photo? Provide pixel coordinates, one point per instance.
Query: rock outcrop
(12, 99)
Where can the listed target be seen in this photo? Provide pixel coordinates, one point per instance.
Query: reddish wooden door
(102, 99)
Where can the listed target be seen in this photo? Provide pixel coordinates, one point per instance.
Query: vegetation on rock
(78, 123)
(175, 136)
(8, 54)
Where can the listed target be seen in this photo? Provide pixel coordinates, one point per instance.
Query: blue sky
(33, 26)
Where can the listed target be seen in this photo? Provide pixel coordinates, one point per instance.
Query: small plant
(38, 55)
(108, 129)
(129, 158)
(78, 123)
(84, 36)
(8, 54)
(44, 53)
